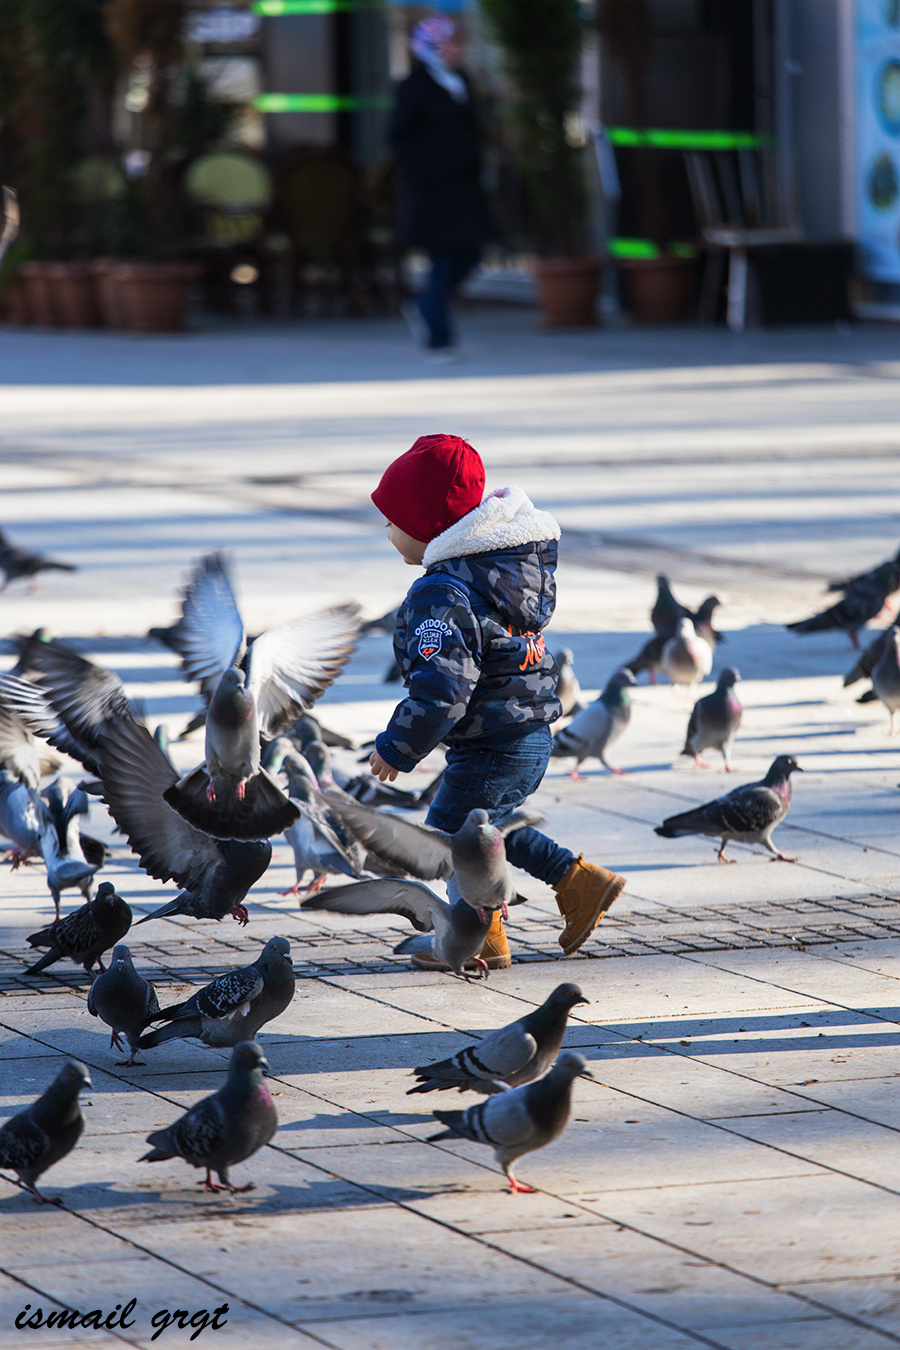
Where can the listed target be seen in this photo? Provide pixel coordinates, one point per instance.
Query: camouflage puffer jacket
(468, 638)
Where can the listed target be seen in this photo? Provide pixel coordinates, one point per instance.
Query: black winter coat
(441, 204)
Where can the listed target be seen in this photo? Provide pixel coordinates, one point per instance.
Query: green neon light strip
(645, 248)
(309, 103)
(274, 8)
(688, 140)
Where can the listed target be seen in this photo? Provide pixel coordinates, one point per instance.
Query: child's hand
(380, 769)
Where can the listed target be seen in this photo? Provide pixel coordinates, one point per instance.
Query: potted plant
(542, 44)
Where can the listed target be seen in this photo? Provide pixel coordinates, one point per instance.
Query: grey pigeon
(21, 818)
(235, 1005)
(715, 720)
(315, 837)
(86, 934)
(748, 814)
(686, 658)
(866, 663)
(703, 624)
(17, 563)
(515, 1054)
(865, 598)
(215, 874)
(568, 690)
(61, 843)
(520, 1120)
(593, 730)
(252, 690)
(124, 1000)
(886, 675)
(451, 934)
(475, 856)
(225, 1128)
(666, 609)
(34, 1139)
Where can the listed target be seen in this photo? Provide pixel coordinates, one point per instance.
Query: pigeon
(568, 690)
(124, 1000)
(715, 720)
(520, 1120)
(17, 563)
(593, 730)
(225, 1128)
(61, 842)
(252, 690)
(686, 658)
(86, 934)
(866, 663)
(864, 600)
(515, 1054)
(234, 1006)
(34, 1139)
(748, 814)
(215, 875)
(21, 818)
(385, 624)
(20, 753)
(450, 934)
(475, 855)
(316, 838)
(666, 610)
(886, 675)
(849, 583)
(703, 624)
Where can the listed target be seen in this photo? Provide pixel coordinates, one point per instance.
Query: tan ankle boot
(495, 952)
(584, 894)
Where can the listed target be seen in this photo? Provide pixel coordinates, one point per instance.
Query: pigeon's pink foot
(241, 790)
(482, 968)
(17, 857)
(210, 791)
(482, 913)
(614, 770)
(701, 763)
(127, 1063)
(519, 1187)
(576, 777)
(210, 1185)
(292, 890)
(239, 1190)
(504, 910)
(44, 1199)
(315, 886)
(115, 1041)
(240, 915)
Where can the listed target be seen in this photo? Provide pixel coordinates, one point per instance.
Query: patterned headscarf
(425, 42)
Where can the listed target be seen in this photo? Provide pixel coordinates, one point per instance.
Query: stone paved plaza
(731, 1177)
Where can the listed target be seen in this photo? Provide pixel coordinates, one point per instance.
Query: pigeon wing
(518, 820)
(387, 895)
(22, 1143)
(31, 704)
(225, 996)
(135, 774)
(201, 1132)
(289, 667)
(419, 849)
(19, 751)
(745, 810)
(83, 694)
(209, 636)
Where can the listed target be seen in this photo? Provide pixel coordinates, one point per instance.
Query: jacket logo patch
(430, 635)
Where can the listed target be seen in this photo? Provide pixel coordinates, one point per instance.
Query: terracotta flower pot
(106, 294)
(567, 290)
(153, 296)
(660, 290)
(73, 298)
(38, 294)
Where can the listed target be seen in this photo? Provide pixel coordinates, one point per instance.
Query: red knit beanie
(439, 480)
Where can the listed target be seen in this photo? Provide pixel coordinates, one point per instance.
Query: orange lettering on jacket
(534, 648)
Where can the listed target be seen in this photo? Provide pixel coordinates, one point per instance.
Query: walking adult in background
(442, 207)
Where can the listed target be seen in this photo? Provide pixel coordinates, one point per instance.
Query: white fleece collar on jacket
(505, 519)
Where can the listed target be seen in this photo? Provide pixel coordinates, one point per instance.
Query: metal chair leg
(737, 290)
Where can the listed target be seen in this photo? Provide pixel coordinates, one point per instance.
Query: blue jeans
(448, 272)
(497, 773)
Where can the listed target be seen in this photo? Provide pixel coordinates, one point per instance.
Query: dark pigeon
(666, 609)
(849, 583)
(17, 563)
(748, 814)
(521, 1120)
(886, 675)
(124, 1000)
(514, 1055)
(34, 1139)
(864, 600)
(234, 1006)
(867, 662)
(593, 730)
(86, 934)
(215, 875)
(225, 1128)
(715, 720)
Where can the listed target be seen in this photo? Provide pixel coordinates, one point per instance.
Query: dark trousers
(497, 774)
(448, 272)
